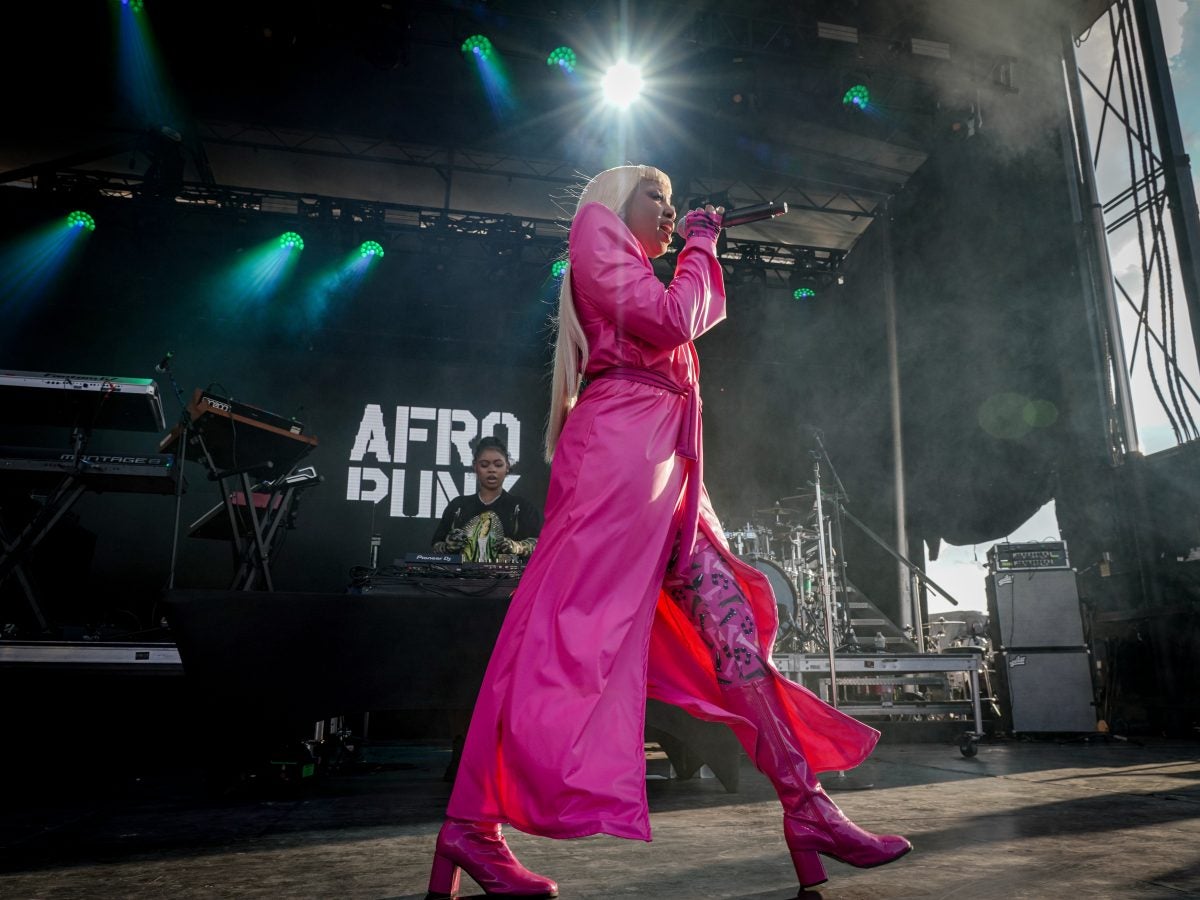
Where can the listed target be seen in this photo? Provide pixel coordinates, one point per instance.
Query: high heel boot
(812, 822)
(479, 847)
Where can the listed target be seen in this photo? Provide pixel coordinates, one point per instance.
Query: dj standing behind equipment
(491, 523)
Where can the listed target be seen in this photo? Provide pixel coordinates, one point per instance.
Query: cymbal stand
(836, 529)
(826, 594)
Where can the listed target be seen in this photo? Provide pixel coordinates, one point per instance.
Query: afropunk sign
(423, 461)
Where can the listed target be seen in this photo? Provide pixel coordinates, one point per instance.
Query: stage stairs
(868, 622)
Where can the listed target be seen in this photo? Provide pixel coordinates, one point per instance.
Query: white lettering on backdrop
(382, 460)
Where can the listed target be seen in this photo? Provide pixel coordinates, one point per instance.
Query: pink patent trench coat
(556, 743)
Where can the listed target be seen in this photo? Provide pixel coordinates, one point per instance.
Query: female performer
(632, 591)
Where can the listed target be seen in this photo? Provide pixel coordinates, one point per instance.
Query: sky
(962, 570)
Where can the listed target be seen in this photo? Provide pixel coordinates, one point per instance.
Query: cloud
(1172, 13)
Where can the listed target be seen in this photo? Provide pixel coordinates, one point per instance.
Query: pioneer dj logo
(419, 457)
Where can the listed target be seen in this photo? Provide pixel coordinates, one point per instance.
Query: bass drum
(781, 585)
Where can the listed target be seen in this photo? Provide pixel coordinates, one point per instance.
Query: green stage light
(857, 96)
(134, 5)
(371, 248)
(80, 219)
(479, 45)
(291, 240)
(803, 293)
(564, 58)
(558, 268)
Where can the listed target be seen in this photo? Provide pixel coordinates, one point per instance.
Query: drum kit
(788, 544)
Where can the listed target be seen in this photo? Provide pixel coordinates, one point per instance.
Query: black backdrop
(985, 305)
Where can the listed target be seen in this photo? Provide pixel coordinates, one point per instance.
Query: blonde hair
(612, 188)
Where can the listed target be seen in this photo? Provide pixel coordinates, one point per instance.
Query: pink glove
(702, 223)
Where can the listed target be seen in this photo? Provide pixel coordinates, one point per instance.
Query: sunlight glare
(622, 84)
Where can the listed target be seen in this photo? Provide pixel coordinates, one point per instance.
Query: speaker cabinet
(1034, 608)
(1048, 690)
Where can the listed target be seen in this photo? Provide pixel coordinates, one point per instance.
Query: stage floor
(1020, 819)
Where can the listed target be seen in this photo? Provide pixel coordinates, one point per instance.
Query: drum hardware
(838, 504)
(775, 523)
(784, 544)
(778, 519)
(823, 557)
(783, 588)
(746, 541)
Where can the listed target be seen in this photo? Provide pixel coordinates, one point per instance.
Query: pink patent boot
(479, 847)
(812, 822)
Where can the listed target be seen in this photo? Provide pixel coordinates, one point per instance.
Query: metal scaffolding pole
(1092, 224)
(1181, 192)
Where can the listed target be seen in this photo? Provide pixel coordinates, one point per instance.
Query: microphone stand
(185, 428)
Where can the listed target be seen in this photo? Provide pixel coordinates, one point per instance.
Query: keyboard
(39, 467)
(81, 401)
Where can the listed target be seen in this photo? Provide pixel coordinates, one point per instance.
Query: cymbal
(829, 493)
(778, 511)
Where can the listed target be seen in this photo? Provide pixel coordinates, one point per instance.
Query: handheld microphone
(164, 363)
(746, 214)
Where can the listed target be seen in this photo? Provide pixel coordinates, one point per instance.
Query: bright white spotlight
(622, 84)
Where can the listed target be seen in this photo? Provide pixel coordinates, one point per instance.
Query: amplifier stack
(1043, 662)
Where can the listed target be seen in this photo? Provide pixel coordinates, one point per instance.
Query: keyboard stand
(256, 559)
(251, 550)
(255, 518)
(254, 505)
(83, 403)
(18, 572)
(14, 553)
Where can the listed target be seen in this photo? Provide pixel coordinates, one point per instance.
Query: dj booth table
(286, 660)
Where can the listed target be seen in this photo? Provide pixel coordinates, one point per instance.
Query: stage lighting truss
(769, 263)
(323, 210)
(412, 229)
(784, 258)
(814, 272)
(502, 229)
